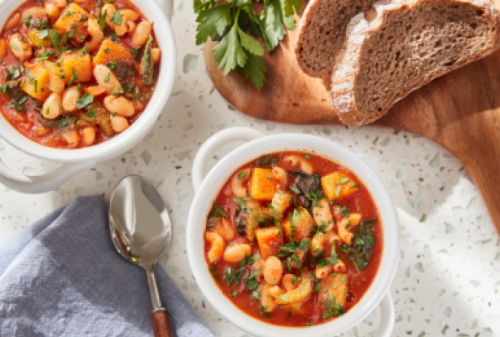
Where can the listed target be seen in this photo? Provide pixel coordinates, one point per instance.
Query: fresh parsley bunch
(235, 24)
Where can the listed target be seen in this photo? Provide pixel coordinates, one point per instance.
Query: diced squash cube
(262, 184)
(73, 21)
(345, 225)
(39, 38)
(338, 185)
(110, 51)
(303, 226)
(76, 66)
(269, 239)
(36, 83)
(333, 292)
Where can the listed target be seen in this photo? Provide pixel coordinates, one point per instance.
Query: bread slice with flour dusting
(401, 45)
(321, 33)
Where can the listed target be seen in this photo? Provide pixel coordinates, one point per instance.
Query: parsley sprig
(237, 27)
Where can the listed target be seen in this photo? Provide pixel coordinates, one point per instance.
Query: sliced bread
(400, 46)
(321, 33)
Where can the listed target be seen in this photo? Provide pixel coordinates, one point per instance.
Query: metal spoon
(141, 231)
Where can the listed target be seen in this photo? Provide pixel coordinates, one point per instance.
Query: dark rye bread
(321, 33)
(400, 46)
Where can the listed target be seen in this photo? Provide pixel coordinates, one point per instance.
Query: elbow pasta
(322, 272)
(267, 300)
(238, 183)
(284, 253)
(280, 174)
(317, 243)
(56, 51)
(224, 229)
(345, 225)
(216, 246)
(322, 215)
(299, 161)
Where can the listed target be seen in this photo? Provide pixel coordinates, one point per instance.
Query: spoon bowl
(141, 232)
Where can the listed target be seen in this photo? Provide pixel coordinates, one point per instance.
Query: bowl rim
(293, 142)
(123, 142)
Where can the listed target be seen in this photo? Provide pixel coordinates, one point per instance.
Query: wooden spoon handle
(161, 325)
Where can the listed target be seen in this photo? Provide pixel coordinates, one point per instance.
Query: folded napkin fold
(62, 277)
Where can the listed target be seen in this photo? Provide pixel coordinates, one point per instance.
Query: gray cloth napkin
(62, 277)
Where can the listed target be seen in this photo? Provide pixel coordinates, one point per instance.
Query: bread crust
(310, 20)
(347, 68)
(304, 22)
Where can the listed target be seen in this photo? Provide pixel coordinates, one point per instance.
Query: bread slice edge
(344, 74)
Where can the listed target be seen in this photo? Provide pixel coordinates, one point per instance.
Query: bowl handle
(43, 183)
(168, 8)
(213, 143)
(388, 317)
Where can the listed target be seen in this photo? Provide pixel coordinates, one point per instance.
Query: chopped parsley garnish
(343, 181)
(117, 18)
(251, 282)
(84, 101)
(233, 276)
(361, 248)
(219, 211)
(255, 295)
(73, 78)
(333, 309)
(239, 202)
(112, 65)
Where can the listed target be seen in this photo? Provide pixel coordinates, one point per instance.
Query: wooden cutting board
(460, 111)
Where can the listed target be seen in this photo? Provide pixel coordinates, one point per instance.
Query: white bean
(88, 136)
(107, 79)
(119, 105)
(70, 98)
(236, 253)
(141, 33)
(72, 137)
(52, 107)
(20, 47)
(119, 123)
(273, 270)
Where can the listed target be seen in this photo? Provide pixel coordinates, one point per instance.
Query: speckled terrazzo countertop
(448, 281)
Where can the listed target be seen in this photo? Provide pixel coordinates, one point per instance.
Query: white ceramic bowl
(258, 145)
(79, 160)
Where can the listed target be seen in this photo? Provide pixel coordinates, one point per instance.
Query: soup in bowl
(111, 74)
(295, 232)
(76, 74)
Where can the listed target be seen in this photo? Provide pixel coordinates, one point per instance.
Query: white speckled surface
(448, 280)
